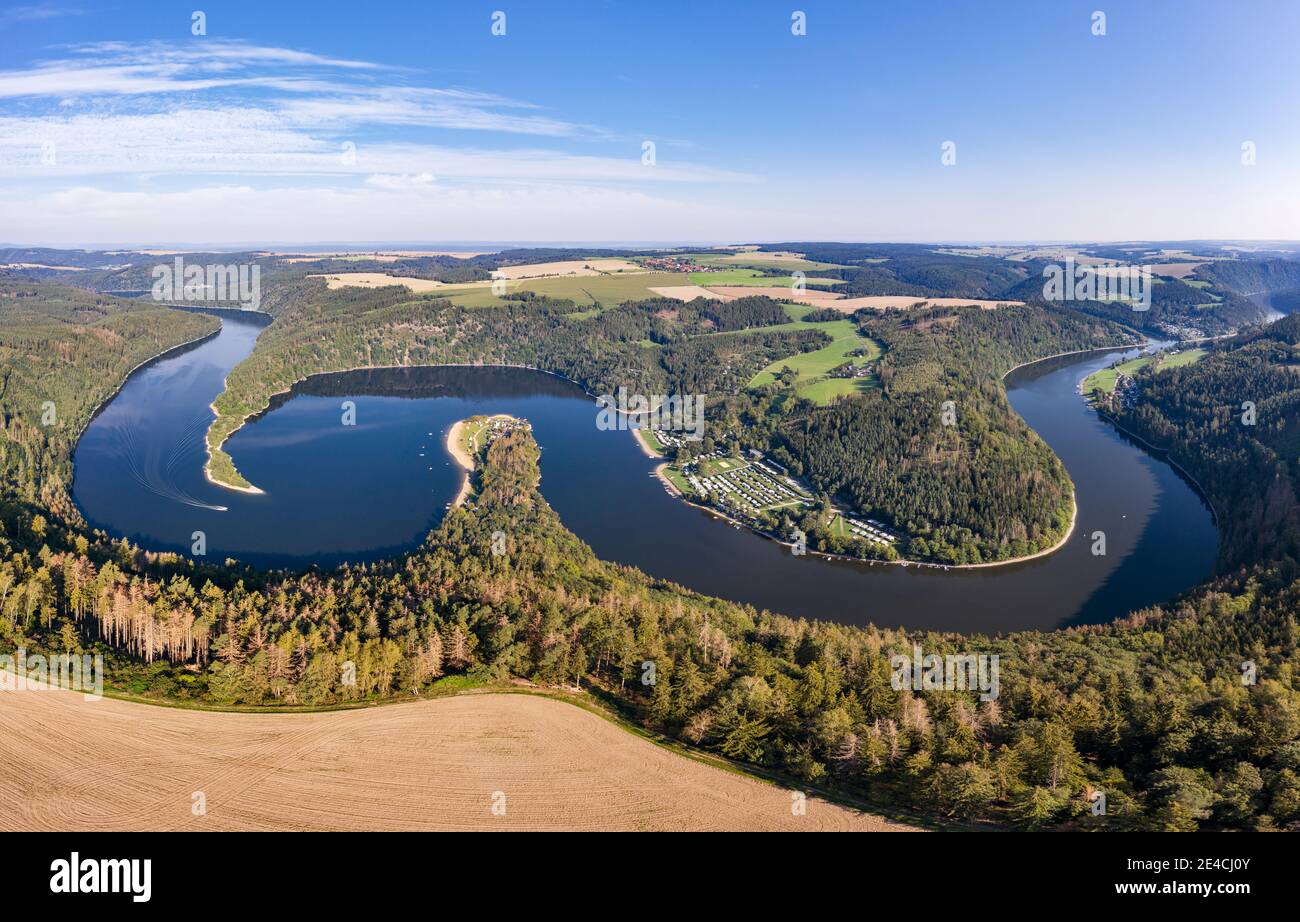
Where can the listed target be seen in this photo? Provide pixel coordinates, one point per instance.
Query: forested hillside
(910, 269)
(1254, 276)
(53, 341)
(1175, 306)
(1232, 421)
(981, 488)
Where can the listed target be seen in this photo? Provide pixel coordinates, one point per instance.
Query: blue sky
(355, 122)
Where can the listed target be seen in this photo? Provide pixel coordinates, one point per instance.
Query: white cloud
(118, 68)
(238, 214)
(250, 141)
(216, 140)
(399, 180)
(305, 88)
(36, 12)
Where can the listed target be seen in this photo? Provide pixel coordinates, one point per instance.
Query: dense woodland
(46, 330)
(1232, 421)
(982, 488)
(1174, 304)
(909, 269)
(1151, 710)
(1253, 276)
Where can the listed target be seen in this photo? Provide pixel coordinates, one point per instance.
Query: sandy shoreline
(645, 446)
(464, 461)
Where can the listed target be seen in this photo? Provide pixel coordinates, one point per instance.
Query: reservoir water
(335, 492)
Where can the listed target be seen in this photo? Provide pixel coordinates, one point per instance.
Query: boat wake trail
(154, 466)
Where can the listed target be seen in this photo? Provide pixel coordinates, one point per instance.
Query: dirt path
(71, 764)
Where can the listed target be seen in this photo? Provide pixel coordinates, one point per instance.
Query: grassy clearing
(676, 479)
(721, 466)
(1106, 379)
(827, 389)
(761, 260)
(752, 277)
(812, 367)
(592, 291)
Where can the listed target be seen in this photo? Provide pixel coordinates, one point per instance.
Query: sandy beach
(645, 446)
(463, 458)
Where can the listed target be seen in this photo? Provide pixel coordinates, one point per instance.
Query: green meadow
(812, 367)
(759, 260)
(752, 277)
(586, 291)
(1106, 379)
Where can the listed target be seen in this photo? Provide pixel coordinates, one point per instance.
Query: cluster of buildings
(1126, 391)
(761, 485)
(750, 487)
(498, 426)
(1180, 331)
(676, 264)
(673, 440)
(870, 530)
(851, 370)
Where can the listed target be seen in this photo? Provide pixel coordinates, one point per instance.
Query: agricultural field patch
(813, 368)
(586, 291)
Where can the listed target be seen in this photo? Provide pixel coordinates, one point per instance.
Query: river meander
(335, 492)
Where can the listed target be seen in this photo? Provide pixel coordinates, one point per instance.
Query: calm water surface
(335, 492)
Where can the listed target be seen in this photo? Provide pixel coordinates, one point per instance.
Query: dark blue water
(335, 492)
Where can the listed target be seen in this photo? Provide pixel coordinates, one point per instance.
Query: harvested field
(606, 290)
(1176, 270)
(881, 302)
(71, 764)
(689, 293)
(380, 279)
(386, 256)
(568, 267)
(778, 292)
(766, 256)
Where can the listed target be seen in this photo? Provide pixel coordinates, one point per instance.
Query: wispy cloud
(127, 132)
(304, 88)
(250, 141)
(37, 12)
